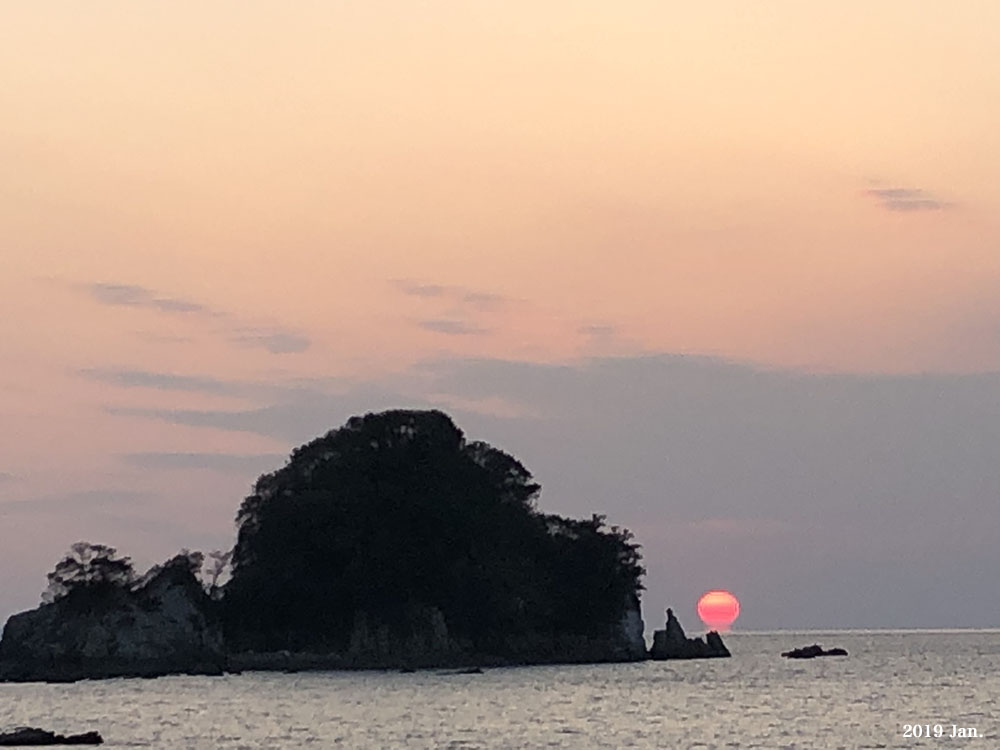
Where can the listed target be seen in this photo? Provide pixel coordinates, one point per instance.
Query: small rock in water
(33, 737)
(810, 652)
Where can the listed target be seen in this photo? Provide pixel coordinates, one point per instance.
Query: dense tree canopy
(395, 512)
(91, 570)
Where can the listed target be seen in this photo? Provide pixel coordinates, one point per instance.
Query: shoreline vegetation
(389, 543)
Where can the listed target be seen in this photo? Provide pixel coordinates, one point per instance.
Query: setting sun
(718, 609)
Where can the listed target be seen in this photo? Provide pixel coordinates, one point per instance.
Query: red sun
(718, 609)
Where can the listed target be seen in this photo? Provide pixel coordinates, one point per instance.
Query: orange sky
(695, 178)
(270, 193)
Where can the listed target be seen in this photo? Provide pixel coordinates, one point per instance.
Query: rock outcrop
(31, 737)
(164, 626)
(672, 643)
(811, 652)
(631, 643)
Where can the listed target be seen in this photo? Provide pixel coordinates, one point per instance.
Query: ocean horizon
(895, 689)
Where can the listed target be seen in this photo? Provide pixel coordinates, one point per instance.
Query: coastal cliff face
(632, 641)
(428, 643)
(163, 627)
(167, 628)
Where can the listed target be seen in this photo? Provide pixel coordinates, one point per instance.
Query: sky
(724, 272)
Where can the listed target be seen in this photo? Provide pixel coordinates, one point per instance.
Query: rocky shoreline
(166, 631)
(285, 661)
(167, 627)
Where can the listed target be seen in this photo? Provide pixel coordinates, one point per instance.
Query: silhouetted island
(389, 542)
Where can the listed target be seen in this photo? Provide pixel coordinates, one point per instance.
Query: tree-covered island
(389, 542)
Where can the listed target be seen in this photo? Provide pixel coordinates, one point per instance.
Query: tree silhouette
(93, 569)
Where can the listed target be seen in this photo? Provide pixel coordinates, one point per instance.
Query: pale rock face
(428, 643)
(633, 629)
(164, 627)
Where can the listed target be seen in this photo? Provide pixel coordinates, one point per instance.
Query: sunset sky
(727, 272)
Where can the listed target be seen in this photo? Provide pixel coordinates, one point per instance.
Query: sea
(895, 689)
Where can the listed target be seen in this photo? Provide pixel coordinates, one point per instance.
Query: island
(390, 542)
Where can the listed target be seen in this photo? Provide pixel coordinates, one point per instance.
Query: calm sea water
(754, 700)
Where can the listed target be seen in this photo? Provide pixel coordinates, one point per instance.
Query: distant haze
(726, 273)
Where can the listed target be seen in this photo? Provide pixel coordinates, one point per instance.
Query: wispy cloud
(450, 293)
(6, 476)
(276, 342)
(483, 300)
(292, 389)
(451, 327)
(296, 404)
(89, 500)
(234, 328)
(165, 381)
(133, 295)
(598, 330)
(419, 289)
(607, 339)
(457, 309)
(292, 415)
(907, 199)
(154, 337)
(225, 462)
